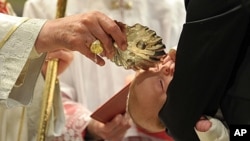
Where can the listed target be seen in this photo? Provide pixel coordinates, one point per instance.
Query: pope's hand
(78, 32)
(64, 57)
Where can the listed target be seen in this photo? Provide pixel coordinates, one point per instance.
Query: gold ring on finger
(96, 47)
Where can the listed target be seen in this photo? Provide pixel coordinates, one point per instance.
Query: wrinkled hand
(65, 57)
(112, 131)
(203, 124)
(78, 32)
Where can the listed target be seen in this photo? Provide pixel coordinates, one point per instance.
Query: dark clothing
(212, 67)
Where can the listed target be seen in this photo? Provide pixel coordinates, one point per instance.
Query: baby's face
(147, 96)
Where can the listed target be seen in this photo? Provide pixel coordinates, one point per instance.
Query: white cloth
(13, 56)
(92, 85)
(20, 90)
(21, 123)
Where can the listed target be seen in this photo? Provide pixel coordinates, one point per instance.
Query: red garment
(161, 135)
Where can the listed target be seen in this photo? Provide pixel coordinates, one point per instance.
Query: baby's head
(146, 97)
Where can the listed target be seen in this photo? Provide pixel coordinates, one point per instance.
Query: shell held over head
(145, 49)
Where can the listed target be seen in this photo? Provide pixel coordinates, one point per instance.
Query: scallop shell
(145, 49)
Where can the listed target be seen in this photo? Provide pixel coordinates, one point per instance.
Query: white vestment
(14, 53)
(20, 95)
(89, 84)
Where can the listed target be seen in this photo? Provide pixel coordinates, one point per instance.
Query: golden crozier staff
(50, 82)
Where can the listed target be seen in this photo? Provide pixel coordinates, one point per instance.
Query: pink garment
(77, 118)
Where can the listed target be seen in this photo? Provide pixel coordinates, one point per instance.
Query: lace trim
(77, 119)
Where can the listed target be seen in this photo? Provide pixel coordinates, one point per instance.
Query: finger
(85, 37)
(172, 54)
(44, 68)
(114, 122)
(106, 41)
(166, 59)
(122, 26)
(119, 131)
(84, 48)
(91, 30)
(95, 58)
(203, 125)
(98, 32)
(65, 59)
(203, 117)
(88, 40)
(168, 64)
(64, 55)
(111, 28)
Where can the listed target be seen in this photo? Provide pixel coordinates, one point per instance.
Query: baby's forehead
(155, 68)
(139, 71)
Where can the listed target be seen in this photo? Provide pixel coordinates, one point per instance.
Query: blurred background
(17, 6)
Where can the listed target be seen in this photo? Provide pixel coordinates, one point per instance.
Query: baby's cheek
(163, 99)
